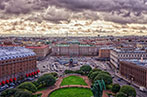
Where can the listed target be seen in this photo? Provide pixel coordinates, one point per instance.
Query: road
(122, 82)
(49, 65)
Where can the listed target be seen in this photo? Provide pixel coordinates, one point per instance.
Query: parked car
(143, 89)
(4, 87)
(11, 84)
(30, 79)
(11, 87)
(119, 79)
(36, 76)
(128, 83)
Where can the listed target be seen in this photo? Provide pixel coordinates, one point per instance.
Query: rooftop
(14, 52)
(138, 62)
(37, 47)
(129, 51)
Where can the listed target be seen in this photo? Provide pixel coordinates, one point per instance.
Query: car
(4, 87)
(142, 89)
(1, 89)
(30, 79)
(119, 79)
(36, 76)
(113, 77)
(11, 84)
(128, 83)
(11, 87)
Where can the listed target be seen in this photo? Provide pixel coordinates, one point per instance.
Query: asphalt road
(123, 82)
(48, 63)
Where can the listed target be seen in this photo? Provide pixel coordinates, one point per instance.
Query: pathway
(46, 92)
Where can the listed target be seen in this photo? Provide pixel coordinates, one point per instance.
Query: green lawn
(72, 92)
(73, 80)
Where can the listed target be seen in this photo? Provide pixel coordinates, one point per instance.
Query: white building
(117, 55)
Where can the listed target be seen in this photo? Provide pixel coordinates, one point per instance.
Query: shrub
(115, 88)
(28, 86)
(128, 91)
(68, 71)
(54, 74)
(21, 93)
(109, 87)
(8, 93)
(120, 94)
(78, 71)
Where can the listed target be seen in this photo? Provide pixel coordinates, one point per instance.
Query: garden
(44, 82)
(72, 92)
(73, 80)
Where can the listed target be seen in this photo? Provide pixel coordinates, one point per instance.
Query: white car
(143, 89)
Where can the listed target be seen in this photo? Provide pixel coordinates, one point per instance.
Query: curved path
(46, 92)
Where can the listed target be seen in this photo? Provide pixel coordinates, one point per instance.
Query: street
(50, 64)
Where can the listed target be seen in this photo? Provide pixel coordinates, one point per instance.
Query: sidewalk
(134, 84)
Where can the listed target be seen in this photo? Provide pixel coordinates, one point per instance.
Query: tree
(21, 93)
(93, 75)
(128, 91)
(68, 71)
(120, 94)
(35, 83)
(8, 93)
(46, 80)
(54, 74)
(115, 88)
(93, 70)
(85, 69)
(28, 86)
(102, 76)
(78, 71)
(15, 93)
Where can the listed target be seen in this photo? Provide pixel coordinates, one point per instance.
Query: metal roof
(138, 62)
(14, 52)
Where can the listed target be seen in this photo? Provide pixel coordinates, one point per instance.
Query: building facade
(117, 55)
(41, 51)
(16, 62)
(74, 50)
(135, 72)
(104, 53)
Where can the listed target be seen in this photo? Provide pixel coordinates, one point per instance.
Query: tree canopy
(85, 69)
(102, 76)
(115, 88)
(28, 86)
(46, 80)
(128, 90)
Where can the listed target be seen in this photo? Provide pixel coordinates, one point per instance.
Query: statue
(71, 62)
(98, 87)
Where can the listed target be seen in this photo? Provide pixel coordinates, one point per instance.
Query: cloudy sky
(104, 17)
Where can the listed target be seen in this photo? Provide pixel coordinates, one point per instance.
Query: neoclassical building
(16, 62)
(74, 49)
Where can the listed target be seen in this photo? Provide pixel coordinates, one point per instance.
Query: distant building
(117, 55)
(135, 71)
(16, 62)
(74, 49)
(104, 53)
(41, 51)
(141, 45)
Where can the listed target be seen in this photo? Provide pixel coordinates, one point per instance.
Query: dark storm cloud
(122, 8)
